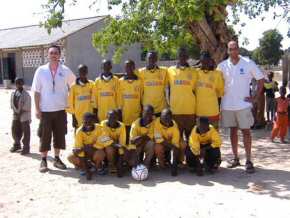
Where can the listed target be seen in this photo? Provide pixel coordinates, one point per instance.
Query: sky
(14, 13)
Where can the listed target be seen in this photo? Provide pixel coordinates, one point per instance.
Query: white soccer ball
(140, 172)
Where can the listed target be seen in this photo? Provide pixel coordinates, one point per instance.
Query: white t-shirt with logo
(53, 89)
(237, 82)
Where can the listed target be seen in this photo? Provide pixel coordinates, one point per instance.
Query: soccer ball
(140, 172)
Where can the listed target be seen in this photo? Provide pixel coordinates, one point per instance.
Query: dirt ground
(24, 192)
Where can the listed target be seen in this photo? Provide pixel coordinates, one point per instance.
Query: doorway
(9, 67)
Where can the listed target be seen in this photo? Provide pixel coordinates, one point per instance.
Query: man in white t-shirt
(236, 104)
(50, 85)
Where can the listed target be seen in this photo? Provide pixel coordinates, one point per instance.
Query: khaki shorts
(243, 119)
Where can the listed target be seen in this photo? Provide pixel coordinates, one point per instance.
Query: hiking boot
(59, 164)
(15, 148)
(25, 151)
(233, 163)
(43, 166)
(249, 167)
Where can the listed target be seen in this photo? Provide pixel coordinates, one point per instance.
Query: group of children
(148, 116)
(277, 109)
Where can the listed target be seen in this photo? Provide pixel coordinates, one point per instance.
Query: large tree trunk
(212, 36)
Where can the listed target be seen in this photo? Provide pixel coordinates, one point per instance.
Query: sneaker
(249, 167)
(43, 166)
(234, 163)
(15, 148)
(82, 173)
(59, 164)
(102, 171)
(25, 151)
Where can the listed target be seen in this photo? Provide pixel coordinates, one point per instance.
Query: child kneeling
(89, 146)
(204, 144)
(166, 136)
(117, 153)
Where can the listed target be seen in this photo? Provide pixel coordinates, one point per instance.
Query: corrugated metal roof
(35, 35)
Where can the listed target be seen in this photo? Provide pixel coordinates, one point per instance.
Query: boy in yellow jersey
(105, 92)
(154, 79)
(142, 136)
(117, 152)
(80, 97)
(89, 145)
(209, 90)
(270, 87)
(182, 80)
(166, 136)
(204, 143)
(129, 97)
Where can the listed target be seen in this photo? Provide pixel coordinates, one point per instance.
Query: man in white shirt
(50, 85)
(236, 104)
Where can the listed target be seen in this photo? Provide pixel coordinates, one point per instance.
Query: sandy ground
(24, 192)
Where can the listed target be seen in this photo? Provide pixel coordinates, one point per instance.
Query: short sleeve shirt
(237, 82)
(53, 89)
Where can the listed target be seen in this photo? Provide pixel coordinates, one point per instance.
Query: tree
(245, 52)
(270, 47)
(257, 57)
(165, 25)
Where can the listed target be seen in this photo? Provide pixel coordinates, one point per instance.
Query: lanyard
(53, 79)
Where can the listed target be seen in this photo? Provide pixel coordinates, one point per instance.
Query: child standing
(21, 105)
(80, 97)
(281, 119)
(105, 92)
(270, 87)
(129, 97)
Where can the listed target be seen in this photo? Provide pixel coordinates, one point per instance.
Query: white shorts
(243, 119)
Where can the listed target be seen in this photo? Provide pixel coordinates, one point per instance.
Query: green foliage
(257, 56)
(269, 51)
(55, 11)
(162, 25)
(157, 25)
(270, 46)
(245, 52)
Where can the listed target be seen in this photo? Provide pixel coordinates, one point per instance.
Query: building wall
(18, 63)
(79, 50)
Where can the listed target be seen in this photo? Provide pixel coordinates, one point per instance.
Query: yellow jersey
(96, 138)
(182, 84)
(154, 83)
(129, 97)
(117, 135)
(105, 96)
(163, 133)
(80, 100)
(211, 137)
(209, 87)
